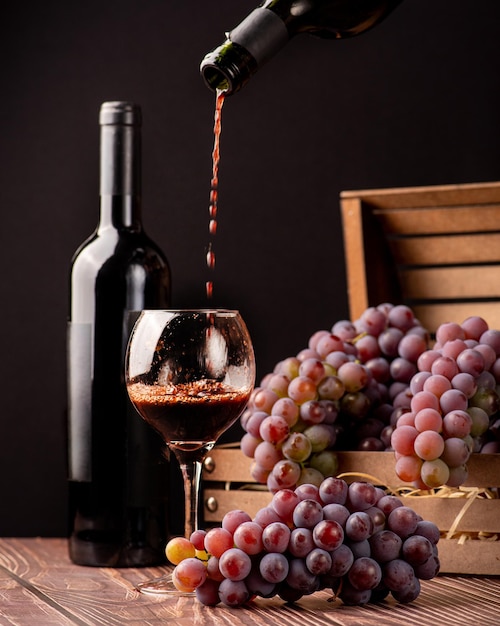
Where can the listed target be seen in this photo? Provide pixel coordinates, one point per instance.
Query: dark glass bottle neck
(120, 176)
(269, 27)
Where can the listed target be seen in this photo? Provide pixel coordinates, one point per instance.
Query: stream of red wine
(214, 189)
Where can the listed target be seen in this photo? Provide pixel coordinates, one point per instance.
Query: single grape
(407, 594)
(301, 542)
(274, 567)
(457, 423)
(354, 376)
(235, 564)
(248, 444)
(232, 519)
(274, 429)
(429, 569)
(265, 516)
(361, 496)
(217, 541)
(263, 399)
(402, 317)
(284, 502)
(233, 593)
(208, 593)
(307, 513)
(429, 445)
(471, 361)
(178, 549)
(403, 521)
(342, 559)
(266, 455)
(453, 399)
(302, 389)
(397, 575)
(286, 473)
(385, 546)
(474, 326)
(297, 447)
(328, 535)
(417, 550)
(257, 585)
(189, 574)
(403, 438)
(365, 573)
(359, 526)
(428, 419)
(449, 331)
(287, 409)
(456, 452)
(435, 473)
(248, 537)
(312, 412)
(325, 462)
(310, 475)
(300, 578)
(319, 562)
(429, 530)
(276, 537)
(408, 468)
(253, 421)
(445, 366)
(312, 368)
(351, 596)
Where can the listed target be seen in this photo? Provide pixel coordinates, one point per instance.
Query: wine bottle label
(262, 33)
(80, 341)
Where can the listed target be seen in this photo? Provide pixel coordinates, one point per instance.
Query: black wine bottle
(118, 475)
(269, 27)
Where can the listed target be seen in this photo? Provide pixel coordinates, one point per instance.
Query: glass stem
(191, 468)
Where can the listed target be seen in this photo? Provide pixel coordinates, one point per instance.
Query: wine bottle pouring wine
(269, 27)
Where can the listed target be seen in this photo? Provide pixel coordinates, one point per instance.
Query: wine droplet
(210, 259)
(210, 288)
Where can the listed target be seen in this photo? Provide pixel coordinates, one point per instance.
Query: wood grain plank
(94, 596)
(446, 250)
(428, 196)
(451, 283)
(440, 220)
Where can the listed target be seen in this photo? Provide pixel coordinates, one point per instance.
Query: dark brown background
(414, 102)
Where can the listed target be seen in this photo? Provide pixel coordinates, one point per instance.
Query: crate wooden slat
(450, 282)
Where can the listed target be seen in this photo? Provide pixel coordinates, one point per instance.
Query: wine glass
(189, 374)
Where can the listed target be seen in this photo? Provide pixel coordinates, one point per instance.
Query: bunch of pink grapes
(359, 387)
(453, 406)
(355, 540)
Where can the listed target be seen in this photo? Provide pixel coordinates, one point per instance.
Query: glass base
(162, 585)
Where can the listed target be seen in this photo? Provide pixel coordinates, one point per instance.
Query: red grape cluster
(353, 539)
(451, 412)
(345, 391)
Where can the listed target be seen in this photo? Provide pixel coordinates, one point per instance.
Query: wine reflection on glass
(189, 374)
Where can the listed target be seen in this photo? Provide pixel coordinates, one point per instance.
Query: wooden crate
(436, 249)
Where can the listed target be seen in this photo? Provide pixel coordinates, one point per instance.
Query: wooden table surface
(39, 586)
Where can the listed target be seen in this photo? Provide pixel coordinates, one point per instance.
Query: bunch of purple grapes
(452, 411)
(345, 391)
(353, 539)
